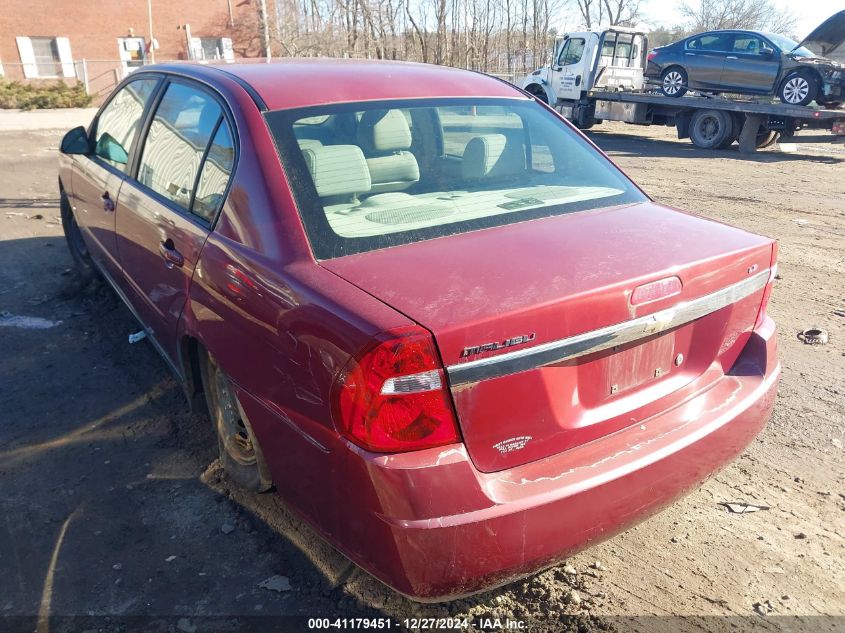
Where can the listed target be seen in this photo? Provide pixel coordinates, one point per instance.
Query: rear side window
(185, 122)
(214, 177)
(118, 122)
(713, 42)
(379, 174)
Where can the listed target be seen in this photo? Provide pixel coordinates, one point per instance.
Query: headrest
(337, 170)
(383, 131)
(491, 155)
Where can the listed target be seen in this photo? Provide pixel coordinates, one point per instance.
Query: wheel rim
(673, 82)
(236, 438)
(76, 240)
(709, 127)
(796, 90)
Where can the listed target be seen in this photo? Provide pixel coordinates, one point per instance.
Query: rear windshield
(378, 174)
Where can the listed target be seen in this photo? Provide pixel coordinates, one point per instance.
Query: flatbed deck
(746, 106)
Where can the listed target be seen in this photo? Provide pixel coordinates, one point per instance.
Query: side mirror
(110, 149)
(767, 52)
(75, 142)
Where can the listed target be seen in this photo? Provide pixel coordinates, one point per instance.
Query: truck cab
(609, 59)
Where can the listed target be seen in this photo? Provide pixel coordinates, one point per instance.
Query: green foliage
(14, 94)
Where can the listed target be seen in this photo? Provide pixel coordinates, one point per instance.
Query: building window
(46, 57)
(46, 53)
(212, 48)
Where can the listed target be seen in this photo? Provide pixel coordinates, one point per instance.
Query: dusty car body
(754, 62)
(458, 341)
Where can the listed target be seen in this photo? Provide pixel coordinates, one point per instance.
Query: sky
(810, 13)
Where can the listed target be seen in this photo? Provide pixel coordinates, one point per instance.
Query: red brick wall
(93, 27)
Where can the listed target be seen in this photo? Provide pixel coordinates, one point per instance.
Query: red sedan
(451, 334)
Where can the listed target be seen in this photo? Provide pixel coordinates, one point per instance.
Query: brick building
(98, 42)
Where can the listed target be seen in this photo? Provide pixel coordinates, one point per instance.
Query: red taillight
(393, 396)
(651, 55)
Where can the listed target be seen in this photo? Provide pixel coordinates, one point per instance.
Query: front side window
(118, 122)
(185, 121)
(572, 51)
(747, 44)
(379, 174)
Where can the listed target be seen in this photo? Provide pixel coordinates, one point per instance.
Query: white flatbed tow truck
(597, 76)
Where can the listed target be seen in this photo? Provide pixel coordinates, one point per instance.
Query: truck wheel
(709, 129)
(240, 454)
(538, 92)
(736, 128)
(767, 138)
(673, 82)
(78, 250)
(799, 88)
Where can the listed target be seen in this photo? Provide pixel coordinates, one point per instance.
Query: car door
(98, 176)
(570, 71)
(166, 212)
(752, 65)
(704, 58)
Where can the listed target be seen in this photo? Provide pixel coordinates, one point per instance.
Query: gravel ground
(113, 505)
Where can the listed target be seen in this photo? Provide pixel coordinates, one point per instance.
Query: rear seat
(385, 137)
(339, 172)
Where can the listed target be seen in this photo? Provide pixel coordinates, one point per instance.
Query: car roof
(294, 83)
(760, 33)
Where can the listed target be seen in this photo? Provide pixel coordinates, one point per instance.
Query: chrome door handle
(171, 256)
(731, 57)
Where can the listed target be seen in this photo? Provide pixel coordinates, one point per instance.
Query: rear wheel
(75, 242)
(673, 82)
(239, 451)
(799, 88)
(710, 129)
(736, 128)
(767, 138)
(831, 105)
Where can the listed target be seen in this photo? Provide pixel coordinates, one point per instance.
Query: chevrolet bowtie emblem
(659, 321)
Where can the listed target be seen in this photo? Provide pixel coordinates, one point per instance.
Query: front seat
(492, 157)
(385, 137)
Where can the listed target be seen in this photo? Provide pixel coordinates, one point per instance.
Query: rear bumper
(433, 527)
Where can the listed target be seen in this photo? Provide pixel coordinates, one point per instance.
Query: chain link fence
(100, 76)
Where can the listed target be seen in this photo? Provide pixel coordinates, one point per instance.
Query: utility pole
(152, 39)
(265, 28)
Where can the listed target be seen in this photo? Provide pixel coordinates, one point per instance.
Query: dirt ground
(112, 504)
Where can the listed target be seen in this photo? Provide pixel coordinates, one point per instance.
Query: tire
(767, 138)
(240, 454)
(674, 82)
(75, 243)
(538, 92)
(736, 128)
(710, 129)
(799, 87)
(831, 105)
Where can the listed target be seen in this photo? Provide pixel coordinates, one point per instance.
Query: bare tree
(763, 15)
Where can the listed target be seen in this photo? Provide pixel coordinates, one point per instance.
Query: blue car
(754, 62)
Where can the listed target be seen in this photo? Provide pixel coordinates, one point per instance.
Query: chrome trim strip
(604, 338)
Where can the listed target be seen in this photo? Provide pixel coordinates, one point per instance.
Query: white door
(568, 70)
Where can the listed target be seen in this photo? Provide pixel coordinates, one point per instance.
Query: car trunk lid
(534, 321)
